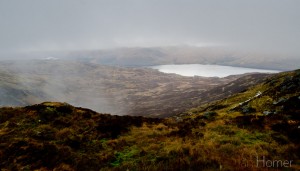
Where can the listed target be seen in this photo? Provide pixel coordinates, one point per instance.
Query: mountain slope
(261, 122)
(116, 90)
(223, 91)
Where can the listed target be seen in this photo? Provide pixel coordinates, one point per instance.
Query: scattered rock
(248, 110)
(267, 112)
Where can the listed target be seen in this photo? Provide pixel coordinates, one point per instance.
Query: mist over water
(208, 70)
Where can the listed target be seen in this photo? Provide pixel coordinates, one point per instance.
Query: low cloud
(270, 26)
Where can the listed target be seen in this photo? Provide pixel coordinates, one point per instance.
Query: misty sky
(255, 25)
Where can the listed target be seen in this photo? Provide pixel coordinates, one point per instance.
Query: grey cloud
(270, 26)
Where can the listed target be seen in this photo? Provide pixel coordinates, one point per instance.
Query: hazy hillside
(231, 134)
(148, 56)
(140, 56)
(108, 89)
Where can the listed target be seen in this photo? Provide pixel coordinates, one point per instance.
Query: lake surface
(208, 70)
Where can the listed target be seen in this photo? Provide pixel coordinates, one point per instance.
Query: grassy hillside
(261, 122)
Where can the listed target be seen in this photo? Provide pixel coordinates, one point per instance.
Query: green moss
(255, 137)
(127, 155)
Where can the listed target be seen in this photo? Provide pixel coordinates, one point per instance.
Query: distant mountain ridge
(148, 56)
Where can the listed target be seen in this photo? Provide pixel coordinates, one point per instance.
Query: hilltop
(261, 121)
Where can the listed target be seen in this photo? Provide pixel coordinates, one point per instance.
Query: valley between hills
(112, 89)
